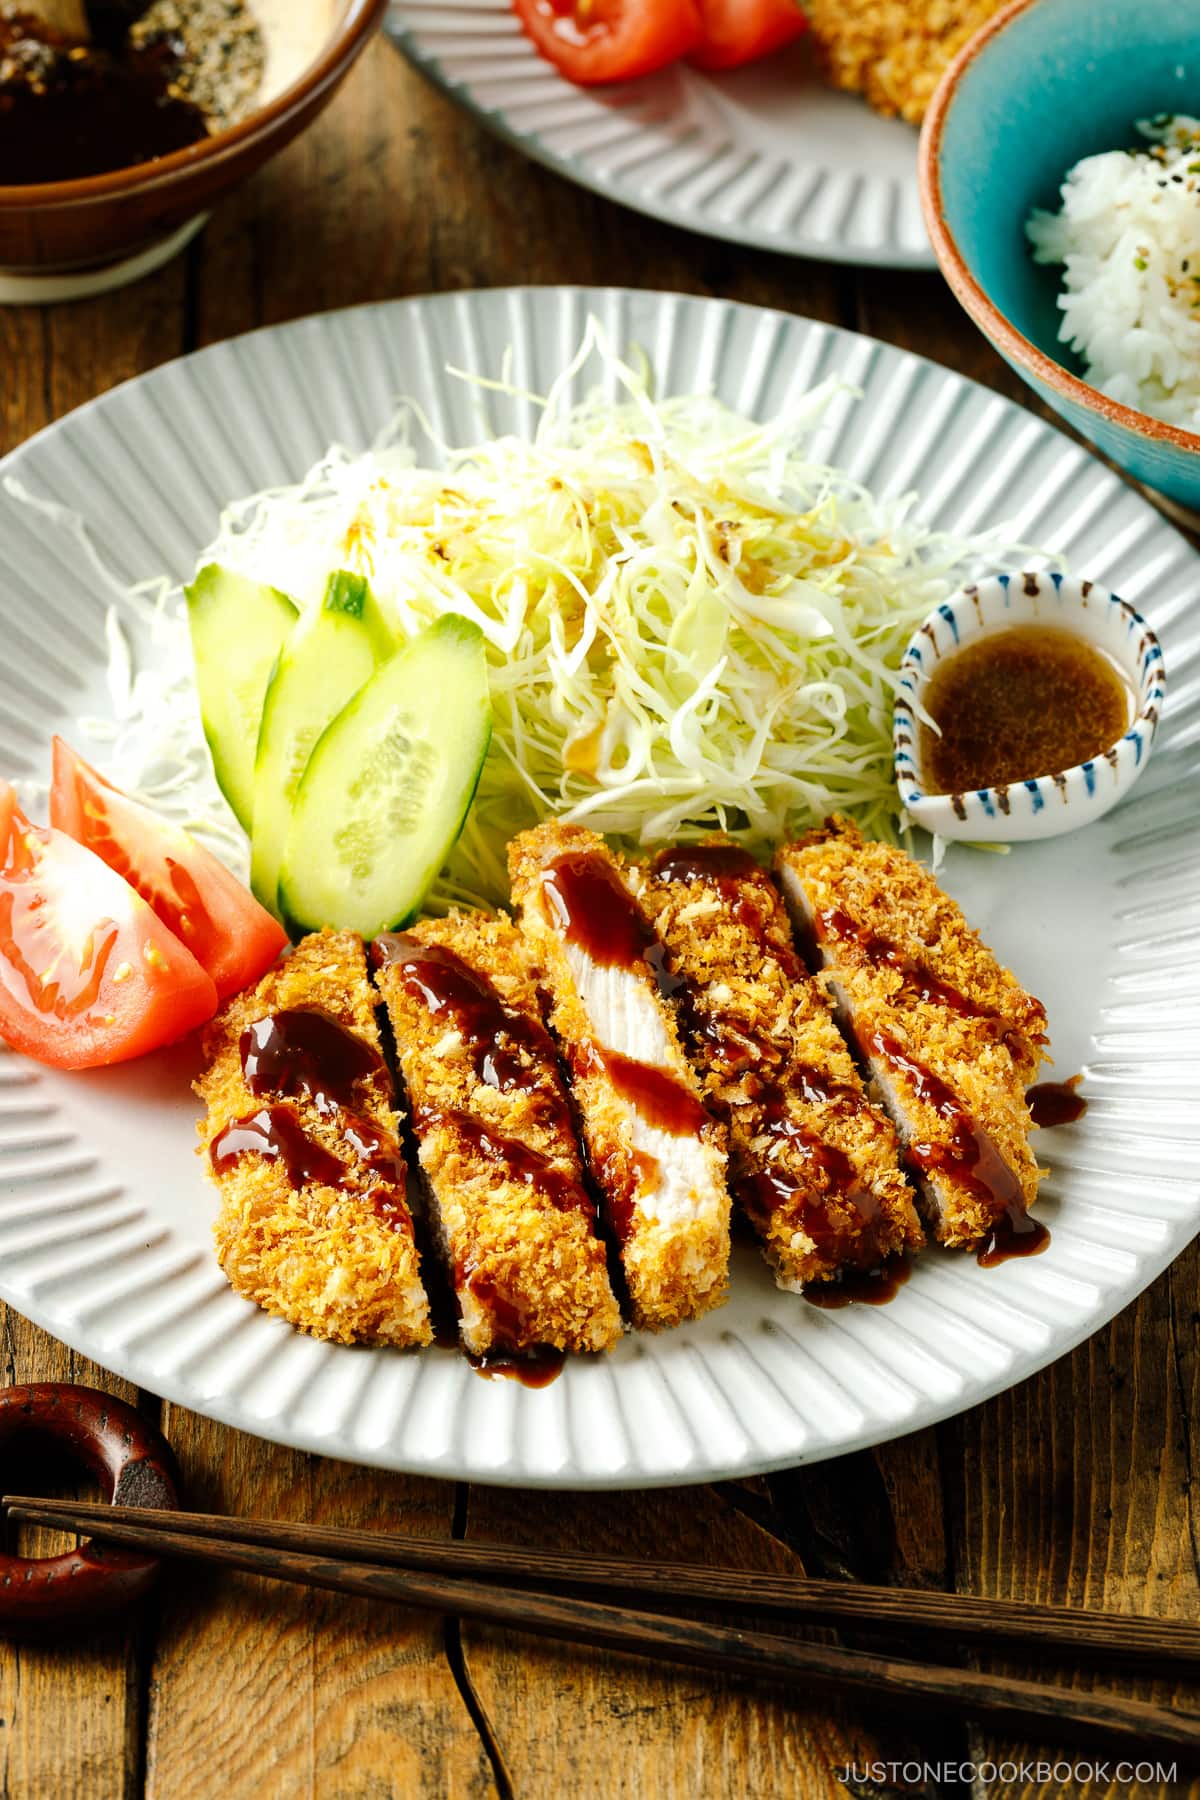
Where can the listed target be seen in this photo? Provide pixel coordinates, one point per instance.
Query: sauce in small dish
(1028, 706)
(1020, 702)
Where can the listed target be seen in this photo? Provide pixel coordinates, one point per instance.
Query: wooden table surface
(1075, 1487)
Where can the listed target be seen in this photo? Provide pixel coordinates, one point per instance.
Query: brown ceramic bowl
(67, 238)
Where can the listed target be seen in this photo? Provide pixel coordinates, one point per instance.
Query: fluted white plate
(104, 1211)
(767, 155)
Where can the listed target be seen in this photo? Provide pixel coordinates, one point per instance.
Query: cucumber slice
(389, 785)
(238, 628)
(325, 661)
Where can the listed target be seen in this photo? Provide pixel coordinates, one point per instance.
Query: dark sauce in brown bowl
(70, 110)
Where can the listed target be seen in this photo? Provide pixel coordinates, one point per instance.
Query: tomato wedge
(88, 974)
(197, 898)
(740, 31)
(592, 41)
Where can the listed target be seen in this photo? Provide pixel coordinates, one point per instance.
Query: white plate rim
(578, 170)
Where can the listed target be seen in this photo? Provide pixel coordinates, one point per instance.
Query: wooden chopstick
(1043, 1629)
(804, 1667)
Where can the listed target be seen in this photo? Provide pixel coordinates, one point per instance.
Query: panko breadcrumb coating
(656, 1156)
(815, 1165)
(494, 1133)
(335, 1258)
(894, 51)
(951, 1038)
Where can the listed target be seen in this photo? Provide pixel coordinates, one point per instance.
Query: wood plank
(23, 397)
(93, 345)
(1076, 1488)
(876, 1516)
(70, 1711)
(273, 1689)
(55, 358)
(626, 1728)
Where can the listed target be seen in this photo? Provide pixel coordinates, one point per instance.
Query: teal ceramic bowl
(1044, 83)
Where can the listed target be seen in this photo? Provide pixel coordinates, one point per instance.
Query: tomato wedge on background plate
(88, 974)
(197, 898)
(740, 31)
(593, 41)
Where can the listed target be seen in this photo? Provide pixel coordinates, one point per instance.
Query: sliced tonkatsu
(656, 1155)
(489, 1109)
(301, 1140)
(814, 1163)
(950, 1037)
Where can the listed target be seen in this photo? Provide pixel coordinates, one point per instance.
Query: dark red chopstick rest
(135, 1468)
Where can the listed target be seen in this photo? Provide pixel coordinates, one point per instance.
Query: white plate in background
(767, 155)
(104, 1210)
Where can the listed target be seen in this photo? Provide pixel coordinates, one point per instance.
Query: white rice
(1128, 238)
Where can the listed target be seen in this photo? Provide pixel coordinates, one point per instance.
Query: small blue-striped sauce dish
(1046, 805)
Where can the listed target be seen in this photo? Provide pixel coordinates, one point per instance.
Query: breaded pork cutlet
(815, 1165)
(894, 51)
(301, 1142)
(497, 1147)
(656, 1155)
(950, 1037)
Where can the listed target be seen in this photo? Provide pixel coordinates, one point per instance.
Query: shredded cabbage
(691, 625)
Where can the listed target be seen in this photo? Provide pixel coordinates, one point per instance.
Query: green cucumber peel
(238, 628)
(335, 648)
(389, 785)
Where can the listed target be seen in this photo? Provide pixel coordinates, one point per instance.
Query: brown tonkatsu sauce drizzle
(971, 1158)
(494, 1034)
(376, 1149)
(657, 1094)
(1056, 1103)
(620, 1177)
(820, 1089)
(294, 1052)
(276, 1133)
(772, 1187)
(662, 1100)
(725, 1044)
(520, 1161)
(707, 862)
(1021, 703)
(716, 1039)
(533, 1368)
(507, 1319)
(1016, 1234)
(446, 984)
(533, 1365)
(596, 911)
(867, 1287)
(928, 988)
(735, 875)
(768, 1190)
